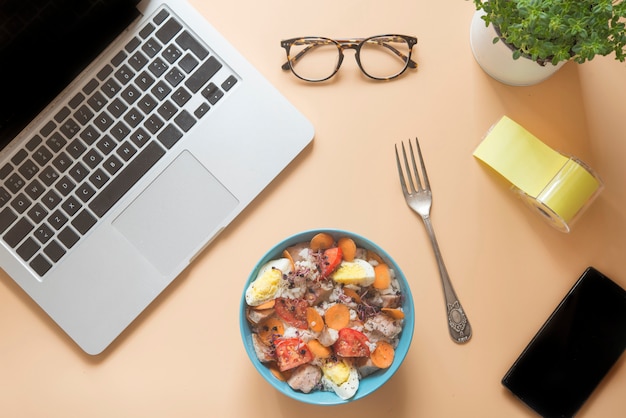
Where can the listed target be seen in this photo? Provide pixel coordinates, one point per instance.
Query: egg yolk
(266, 286)
(338, 373)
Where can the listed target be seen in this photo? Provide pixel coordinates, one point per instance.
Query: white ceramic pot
(497, 61)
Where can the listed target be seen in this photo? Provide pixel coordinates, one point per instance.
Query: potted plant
(541, 35)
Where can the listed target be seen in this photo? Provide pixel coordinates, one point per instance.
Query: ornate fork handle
(458, 324)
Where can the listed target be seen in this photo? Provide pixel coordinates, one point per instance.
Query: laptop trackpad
(176, 213)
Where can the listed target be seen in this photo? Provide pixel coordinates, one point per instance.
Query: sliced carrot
(316, 323)
(383, 354)
(319, 350)
(337, 316)
(269, 328)
(348, 247)
(371, 255)
(288, 256)
(382, 278)
(321, 241)
(276, 372)
(266, 305)
(393, 312)
(351, 293)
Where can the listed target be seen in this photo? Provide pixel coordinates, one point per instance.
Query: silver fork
(419, 198)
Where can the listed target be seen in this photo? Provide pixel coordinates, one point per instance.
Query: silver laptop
(132, 133)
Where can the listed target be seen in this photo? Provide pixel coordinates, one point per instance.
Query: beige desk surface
(184, 356)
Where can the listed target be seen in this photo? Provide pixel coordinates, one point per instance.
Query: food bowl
(369, 383)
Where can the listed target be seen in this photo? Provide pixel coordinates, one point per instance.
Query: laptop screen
(44, 45)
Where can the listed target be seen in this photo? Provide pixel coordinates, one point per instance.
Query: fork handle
(458, 324)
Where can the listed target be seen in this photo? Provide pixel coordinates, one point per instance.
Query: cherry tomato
(292, 352)
(351, 343)
(330, 260)
(292, 311)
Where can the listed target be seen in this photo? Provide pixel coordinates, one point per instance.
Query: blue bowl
(368, 384)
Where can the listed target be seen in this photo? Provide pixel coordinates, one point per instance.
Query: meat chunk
(328, 336)
(256, 316)
(382, 326)
(263, 352)
(305, 377)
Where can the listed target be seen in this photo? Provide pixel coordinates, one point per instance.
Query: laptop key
(170, 136)
(62, 114)
(54, 251)
(70, 128)
(57, 220)
(76, 100)
(83, 115)
(203, 74)
(28, 249)
(47, 129)
(33, 142)
(97, 101)
(40, 265)
(138, 60)
(99, 178)
(5, 170)
(139, 166)
(42, 155)
(28, 169)
(48, 176)
(85, 192)
(118, 58)
(4, 196)
(51, 199)
(171, 54)
(7, 217)
(83, 222)
(168, 30)
(71, 206)
(56, 142)
(111, 87)
(37, 213)
(18, 232)
(43, 233)
(68, 237)
(132, 44)
(34, 190)
(151, 47)
(161, 16)
(104, 72)
(91, 86)
(15, 183)
(189, 43)
(185, 121)
(21, 203)
(229, 83)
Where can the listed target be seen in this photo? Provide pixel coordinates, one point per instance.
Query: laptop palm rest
(182, 215)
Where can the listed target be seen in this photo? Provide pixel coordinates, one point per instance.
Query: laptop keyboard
(105, 138)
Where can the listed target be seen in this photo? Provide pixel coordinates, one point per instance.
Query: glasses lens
(384, 57)
(314, 59)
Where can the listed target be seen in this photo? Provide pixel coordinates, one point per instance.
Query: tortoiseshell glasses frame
(380, 57)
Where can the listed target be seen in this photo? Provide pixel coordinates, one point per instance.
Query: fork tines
(418, 183)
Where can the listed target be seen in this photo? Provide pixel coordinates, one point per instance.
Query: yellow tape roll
(556, 186)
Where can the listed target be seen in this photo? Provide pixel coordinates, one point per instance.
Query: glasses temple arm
(411, 63)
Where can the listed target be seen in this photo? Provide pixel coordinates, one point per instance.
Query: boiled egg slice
(269, 282)
(358, 272)
(341, 378)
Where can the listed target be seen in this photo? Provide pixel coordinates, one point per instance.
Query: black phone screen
(574, 349)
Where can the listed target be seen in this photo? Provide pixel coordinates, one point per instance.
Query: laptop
(132, 133)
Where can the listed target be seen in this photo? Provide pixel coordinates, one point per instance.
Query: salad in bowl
(326, 316)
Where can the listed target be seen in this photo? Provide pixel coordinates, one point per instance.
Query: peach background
(184, 357)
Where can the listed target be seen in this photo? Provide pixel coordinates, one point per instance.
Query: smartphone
(575, 348)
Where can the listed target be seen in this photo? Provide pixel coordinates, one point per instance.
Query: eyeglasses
(381, 57)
